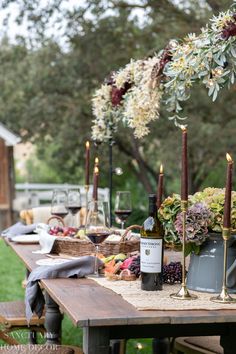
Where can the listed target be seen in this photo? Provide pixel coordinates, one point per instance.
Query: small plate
(51, 261)
(26, 239)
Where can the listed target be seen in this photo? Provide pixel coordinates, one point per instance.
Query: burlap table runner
(160, 300)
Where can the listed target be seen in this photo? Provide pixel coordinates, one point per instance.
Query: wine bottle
(151, 249)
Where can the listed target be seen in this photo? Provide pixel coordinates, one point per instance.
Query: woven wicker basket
(76, 247)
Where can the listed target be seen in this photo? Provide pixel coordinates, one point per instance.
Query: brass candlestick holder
(224, 297)
(86, 187)
(183, 293)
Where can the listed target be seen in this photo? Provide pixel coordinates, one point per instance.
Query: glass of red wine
(96, 227)
(123, 207)
(59, 203)
(74, 204)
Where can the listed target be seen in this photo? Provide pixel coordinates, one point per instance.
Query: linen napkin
(34, 299)
(18, 229)
(46, 240)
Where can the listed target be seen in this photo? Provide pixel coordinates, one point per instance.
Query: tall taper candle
(96, 164)
(228, 192)
(160, 187)
(87, 161)
(95, 183)
(96, 161)
(184, 172)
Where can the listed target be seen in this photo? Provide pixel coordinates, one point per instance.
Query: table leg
(96, 340)
(53, 319)
(161, 346)
(228, 343)
(32, 334)
(118, 346)
(32, 337)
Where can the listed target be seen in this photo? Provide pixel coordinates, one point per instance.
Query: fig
(120, 257)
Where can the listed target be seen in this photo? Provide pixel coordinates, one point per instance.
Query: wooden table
(104, 315)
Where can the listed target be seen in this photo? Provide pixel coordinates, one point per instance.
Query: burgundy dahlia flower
(229, 30)
(117, 94)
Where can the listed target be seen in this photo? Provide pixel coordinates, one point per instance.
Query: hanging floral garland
(134, 93)
(209, 58)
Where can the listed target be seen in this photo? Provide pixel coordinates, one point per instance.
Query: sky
(13, 10)
(13, 27)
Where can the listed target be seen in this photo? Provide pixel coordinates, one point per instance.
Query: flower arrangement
(134, 93)
(209, 58)
(132, 96)
(204, 215)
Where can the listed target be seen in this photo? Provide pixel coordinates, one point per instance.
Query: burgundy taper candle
(95, 183)
(87, 162)
(184, 172)
(96, 164)
(228, 192)
(160, 187)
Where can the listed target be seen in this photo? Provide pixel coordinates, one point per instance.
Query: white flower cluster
(141, 104)
(102, 128)
(219, 22)
(131, 73)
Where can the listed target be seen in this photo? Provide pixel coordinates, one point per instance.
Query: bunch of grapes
(172, 273)
(134, 267)
(62, 231)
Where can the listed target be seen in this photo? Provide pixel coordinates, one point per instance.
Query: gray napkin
(34, 299)
(18, 229)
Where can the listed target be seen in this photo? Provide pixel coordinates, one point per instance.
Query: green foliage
(46, 91)
(191, 247)
(205, 213)
(167, 214)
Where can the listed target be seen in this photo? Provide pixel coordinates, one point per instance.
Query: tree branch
(214, 5)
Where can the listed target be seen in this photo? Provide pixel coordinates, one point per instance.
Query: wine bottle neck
(152, 210)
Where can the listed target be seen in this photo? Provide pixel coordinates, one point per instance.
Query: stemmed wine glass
(59, 203)
(123, 207)
(74, 203)
(96, 227)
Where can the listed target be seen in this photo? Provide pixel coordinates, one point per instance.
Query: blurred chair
(42, 214)
(41, 349)
(198, 345)
(12, 318)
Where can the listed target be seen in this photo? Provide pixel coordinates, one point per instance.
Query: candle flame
(139, 346)
(229, 158)
(87, 144)
(96, 160)
(96, 170)
(183, 127)
(161, 168)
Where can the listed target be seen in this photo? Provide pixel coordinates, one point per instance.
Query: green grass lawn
(11, 275)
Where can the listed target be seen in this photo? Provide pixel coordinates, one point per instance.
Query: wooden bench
(12, 318)
(198, 345)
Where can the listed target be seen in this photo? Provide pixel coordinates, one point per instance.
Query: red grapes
(172, 273)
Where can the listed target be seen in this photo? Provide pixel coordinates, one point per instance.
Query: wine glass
(123, 207)
(59, 203)
(74, 203)
(96, 227)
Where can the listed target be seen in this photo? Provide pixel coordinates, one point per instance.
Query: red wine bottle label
(150, 255)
